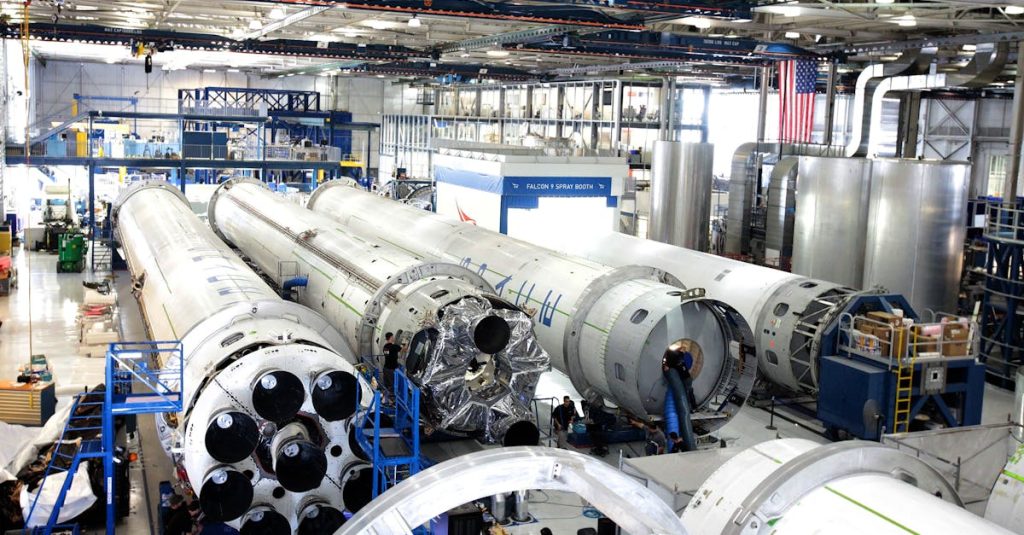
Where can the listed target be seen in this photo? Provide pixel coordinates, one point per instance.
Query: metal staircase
(141, 378)
(904, 383)
(395, 450)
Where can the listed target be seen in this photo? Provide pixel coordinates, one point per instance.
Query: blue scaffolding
(1002, 306)
(141, 378)
(395, 450)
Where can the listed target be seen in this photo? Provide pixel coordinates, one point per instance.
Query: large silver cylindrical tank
(916, 231)
(831, 219)
(681, 193)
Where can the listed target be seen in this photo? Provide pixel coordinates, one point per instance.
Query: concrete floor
(54, 305)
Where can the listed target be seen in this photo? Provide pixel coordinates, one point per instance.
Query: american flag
(796, 100)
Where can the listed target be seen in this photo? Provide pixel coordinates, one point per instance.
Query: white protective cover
(79, 498)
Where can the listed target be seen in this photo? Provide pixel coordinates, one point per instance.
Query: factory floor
(54, 305)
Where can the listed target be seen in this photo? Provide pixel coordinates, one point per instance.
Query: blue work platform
(141, 378)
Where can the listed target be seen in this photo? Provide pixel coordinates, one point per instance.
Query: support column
(92, 217)
(665, 122)
(762, 108)
(830, 103)
(1016, 131)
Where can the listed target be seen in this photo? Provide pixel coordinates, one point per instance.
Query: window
(997, 164)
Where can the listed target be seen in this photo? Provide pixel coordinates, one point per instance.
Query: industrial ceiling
(503, 40)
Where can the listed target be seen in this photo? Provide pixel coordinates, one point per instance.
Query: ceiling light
(732, 35)
(210, 70)
(497, 53)
(255, 25)
(464, 55)
(277, 13)
(415, 22)
(377, 24)
(970, 47)
(701, 23)
(792, 35)
(86, 8)
(716, 35)
(234, 70)
(290, 74)
(906, 21)
(380, 76)
(884, 1)
(1014, 10)
(789, 10)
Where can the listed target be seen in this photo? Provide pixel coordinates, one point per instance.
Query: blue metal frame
(406, 417)
(128, 368)
(964, 377)
(244, 97)
(1001, 318)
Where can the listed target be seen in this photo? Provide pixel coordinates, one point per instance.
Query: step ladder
(141, 378)
(904, 384)
(395, 450)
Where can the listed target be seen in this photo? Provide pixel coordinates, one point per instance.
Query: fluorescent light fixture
(732, 35)
(884, 1)
(210, 70)
(290, 74)
(792, 35)
(415, 22)
(498, 53)
(970, 48)
(1014, 10)
(86, 8)
(380, 76)
(277, 13)
(255, 25)
(234, 70)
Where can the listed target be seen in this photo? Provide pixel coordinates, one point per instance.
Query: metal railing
(918, 341)
(1004, 222)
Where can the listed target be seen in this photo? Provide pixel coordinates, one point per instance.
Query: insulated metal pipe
(251, 362)
(611, 330)
(472, 354)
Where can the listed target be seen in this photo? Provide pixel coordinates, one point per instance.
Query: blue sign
(538, 186)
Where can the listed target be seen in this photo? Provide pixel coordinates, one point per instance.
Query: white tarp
(26, 451)
(79, 498)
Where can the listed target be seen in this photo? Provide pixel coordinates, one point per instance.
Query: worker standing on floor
(564, 415)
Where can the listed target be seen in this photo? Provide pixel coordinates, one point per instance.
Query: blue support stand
(141, 378)
(396, 450)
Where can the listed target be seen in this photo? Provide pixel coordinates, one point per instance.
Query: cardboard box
(955, 339)
(886, 317)
(925, 344)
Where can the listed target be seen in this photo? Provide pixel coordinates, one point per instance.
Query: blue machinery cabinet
(862, 394)
(856, 395)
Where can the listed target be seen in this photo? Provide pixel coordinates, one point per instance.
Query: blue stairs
(133, 386)
(396, 449)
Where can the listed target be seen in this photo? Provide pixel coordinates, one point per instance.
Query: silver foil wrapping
(502, 396)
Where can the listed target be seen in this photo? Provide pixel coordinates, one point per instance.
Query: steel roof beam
(166, 40)
(298, 16)
(560, 14)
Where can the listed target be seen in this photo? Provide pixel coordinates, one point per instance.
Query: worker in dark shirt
(391, 350)
(675, 443)
(179, 520)
(563, 416)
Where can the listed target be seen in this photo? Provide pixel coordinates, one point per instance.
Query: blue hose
(296, 282)
(677, 409)
(671, 416)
